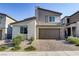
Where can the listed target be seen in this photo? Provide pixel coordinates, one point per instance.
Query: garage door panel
(45, 33)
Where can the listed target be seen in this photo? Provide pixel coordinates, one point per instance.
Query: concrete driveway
(54, 45)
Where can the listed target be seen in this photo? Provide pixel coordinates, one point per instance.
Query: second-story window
(52, 19)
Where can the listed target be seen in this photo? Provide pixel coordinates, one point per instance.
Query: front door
(69, 31)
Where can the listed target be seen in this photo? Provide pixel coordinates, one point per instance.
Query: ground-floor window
(23, 30)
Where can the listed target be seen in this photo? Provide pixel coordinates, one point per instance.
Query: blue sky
(21, 11)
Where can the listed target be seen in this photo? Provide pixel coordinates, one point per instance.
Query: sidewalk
(51, 53)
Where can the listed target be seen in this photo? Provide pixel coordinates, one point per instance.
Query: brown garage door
(49, 33)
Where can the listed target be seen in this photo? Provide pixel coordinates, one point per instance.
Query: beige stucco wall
(8, 21)
(62, 33)
(4, 25)
(31, 27)
(7, 24)
(40, 14)
(3, 33)
(77, 29)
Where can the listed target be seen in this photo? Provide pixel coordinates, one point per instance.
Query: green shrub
(77, 42)
(17, 40)
(73, 40)
(3, 47)
(15, 48)
(30, 48)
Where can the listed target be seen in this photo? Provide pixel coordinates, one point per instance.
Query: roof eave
(49, 10)
(27, 19)
(8, 16)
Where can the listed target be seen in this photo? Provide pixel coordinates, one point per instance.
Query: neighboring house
(45, 25)
(71, 24)
(5, 28)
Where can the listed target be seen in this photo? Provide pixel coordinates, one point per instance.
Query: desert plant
(30, 48)
(17, 40)
(31, 40)
(3, 47)
(15, 48)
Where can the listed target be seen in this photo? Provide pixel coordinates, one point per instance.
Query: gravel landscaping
(48, 45)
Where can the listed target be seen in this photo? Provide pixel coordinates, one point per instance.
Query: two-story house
(71, 24)
(44, 25)
(5, 28)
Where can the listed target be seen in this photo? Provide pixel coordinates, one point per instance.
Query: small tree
(17, 40)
